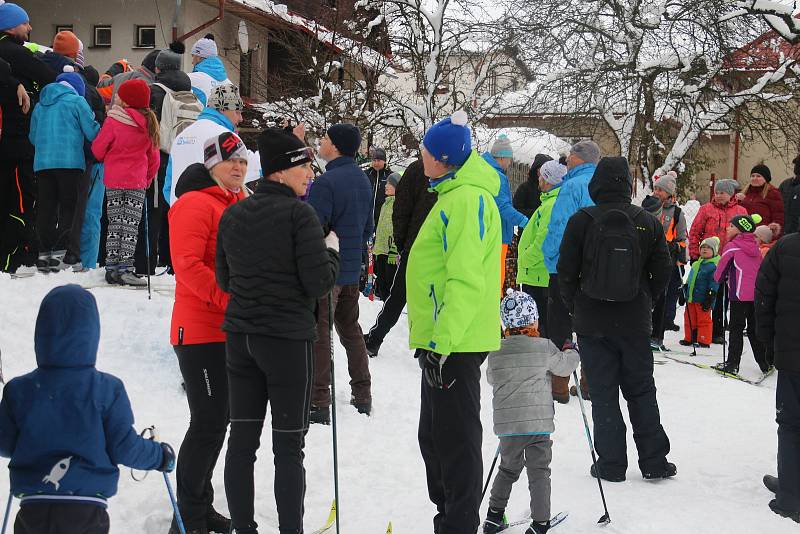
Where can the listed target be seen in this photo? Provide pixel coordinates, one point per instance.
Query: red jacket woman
(761, 197)
(714, 216)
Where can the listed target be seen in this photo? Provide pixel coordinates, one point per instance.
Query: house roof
(765, 53)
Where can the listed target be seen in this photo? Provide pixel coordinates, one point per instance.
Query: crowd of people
(269, 259)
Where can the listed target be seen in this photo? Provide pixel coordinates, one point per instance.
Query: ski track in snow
(722, 431)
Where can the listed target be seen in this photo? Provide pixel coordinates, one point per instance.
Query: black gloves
(682, 295)
(708, 302)
(167, 459)
(432, 364)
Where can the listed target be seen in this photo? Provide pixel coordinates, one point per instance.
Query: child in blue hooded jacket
(59, 126)
(66, 426)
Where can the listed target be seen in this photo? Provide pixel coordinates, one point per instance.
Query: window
(63, 28)
(145, 36)
(102, 36)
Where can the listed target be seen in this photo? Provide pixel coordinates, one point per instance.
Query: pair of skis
(754, 382)
(554, 522)
(332, 519)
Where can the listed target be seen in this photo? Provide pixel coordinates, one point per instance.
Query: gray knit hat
(502, 147)
(588, 151)
(725, 185)
(667, 184)
(225, 97)
(394, 179)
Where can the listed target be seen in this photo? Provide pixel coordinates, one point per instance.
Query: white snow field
(722, 432)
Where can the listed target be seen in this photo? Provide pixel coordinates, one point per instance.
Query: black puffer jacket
(611, 187)
(413, 200)
(272, 259)
(176, 80)
(778, 302)
(526, 197)
(790, 191)
(378, 181)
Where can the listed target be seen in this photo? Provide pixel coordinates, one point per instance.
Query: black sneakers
(216, 522)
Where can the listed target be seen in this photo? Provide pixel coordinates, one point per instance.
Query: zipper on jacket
(435, 303)
(180, 335)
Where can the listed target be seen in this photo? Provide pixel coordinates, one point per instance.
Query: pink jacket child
(740, 261)
(124, 146)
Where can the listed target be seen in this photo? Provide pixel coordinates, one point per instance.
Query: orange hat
(67, 44)
(135, 93)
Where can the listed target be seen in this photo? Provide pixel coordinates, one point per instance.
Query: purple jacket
(739, 263)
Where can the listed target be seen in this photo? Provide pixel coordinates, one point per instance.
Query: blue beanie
(73, 80)
(346, 138)
(11, 16)
(449, 140)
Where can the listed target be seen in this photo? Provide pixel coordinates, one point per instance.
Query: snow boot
(320, 415)
(495, 521)
(363, 407)
(794, 516)
(112, 276)
(604, 476)
(216, 522)
(538, 528)
(673, 328)
(669, 472)
(771, 483)
(584, 393)
(129, 278)
(372, 346)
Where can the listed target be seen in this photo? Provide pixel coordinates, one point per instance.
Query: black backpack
(612, 254)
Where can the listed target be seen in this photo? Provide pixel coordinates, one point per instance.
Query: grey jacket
(520, 375)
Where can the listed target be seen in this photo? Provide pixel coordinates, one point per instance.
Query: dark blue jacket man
(342, 198)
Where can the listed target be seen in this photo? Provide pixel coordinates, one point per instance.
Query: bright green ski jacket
(530, 266)
(453, 278)
(384, 239)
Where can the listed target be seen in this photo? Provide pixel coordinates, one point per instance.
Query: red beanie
(66, 44)
(135, 93)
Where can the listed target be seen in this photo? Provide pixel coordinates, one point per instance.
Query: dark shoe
(372, 346)
(363, 407)
(495, 521)
(574, 392)
(173, 529)
(320, 415)
(604, 476)
(655, 345)
(669, 472)
(216, 522)
(685, 343)
(771, 483)
(663, 348)
(112, 277)
(538, 528)
(718, 340)
(704, 345)
(561, 399)
(673, 328)
(794, 516)
(727, 367)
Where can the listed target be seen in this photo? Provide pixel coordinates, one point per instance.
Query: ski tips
(605, 520)
(389, 528)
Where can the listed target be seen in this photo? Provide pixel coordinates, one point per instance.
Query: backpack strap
(165, 88)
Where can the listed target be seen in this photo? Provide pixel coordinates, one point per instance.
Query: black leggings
(280, 372)
(206, 382)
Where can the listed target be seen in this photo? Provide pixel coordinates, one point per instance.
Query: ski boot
(216, 522)
(669, 472)
(727, 367)
(71, 261)
(538, 528)
(129, 278)
(43, 263)
(771, 483)
(320, 416)
(112, 277)
(495, 521)
(363, 407)
(56, 262)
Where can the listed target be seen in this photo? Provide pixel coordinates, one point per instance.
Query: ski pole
(8, 512)
(605, 518)
(147, 245)
(725, 324)
(333, 414)
(491, 470)
(178, 518)
(692, 333)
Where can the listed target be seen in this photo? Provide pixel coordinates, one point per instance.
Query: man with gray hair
(574, 195)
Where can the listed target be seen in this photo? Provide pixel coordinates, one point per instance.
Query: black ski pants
(280, 372)
(450, 435)
(206, 381)
(392, 306)
(673, 291)
(61, 518)
(540, 295)
(18, 243)
(787, 408)
(614, 364)
(56, 224)
(718, 314)
(743, 314)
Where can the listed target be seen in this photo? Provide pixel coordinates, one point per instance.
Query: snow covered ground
(722, 431)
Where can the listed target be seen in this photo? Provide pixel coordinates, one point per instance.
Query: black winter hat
(746, 223)
(91, 75)
(149, 61)
(346, 138)
(651, 204)
(763, 170)
(280, 150)
(538, 161)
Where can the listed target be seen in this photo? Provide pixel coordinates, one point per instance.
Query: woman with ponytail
(128, 146)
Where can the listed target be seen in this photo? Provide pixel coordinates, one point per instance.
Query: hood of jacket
(57, 62)
(612, 182)
(53, 92)
(177, 80)
(67, 328)
(747, 243)
(213, 67)
(476, 172)
(491, 160)
(128, 116)
(538, 161)
(211, 114)
(195, 178)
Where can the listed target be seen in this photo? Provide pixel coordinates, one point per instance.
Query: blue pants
(787, 404)
(90, 232)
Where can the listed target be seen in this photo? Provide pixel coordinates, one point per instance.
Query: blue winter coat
(342, 198)
(509, 216)
(66, 425)
(573, 196)
(214, 67)
(701, 279)
(59, 125)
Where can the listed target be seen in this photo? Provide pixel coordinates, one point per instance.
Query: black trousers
(787, 408)
(18, 243)
(559, 322)
(614, 364)
(280, 372)
(56, 224)
(540, 295)
(718, 314)
(450, 434)
(658, 317)
(673, 290)
(392, 306)
(743, 314)
(206, 381)
(61, 518)
(384, 276)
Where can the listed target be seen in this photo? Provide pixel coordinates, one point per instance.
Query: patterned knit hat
(226, 98)
(223, 147)
(502, 147)
(746, 223)
(518, 309)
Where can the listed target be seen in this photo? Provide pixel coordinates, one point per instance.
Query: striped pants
(124, 207)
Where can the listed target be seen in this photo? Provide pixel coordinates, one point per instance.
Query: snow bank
(722, 433)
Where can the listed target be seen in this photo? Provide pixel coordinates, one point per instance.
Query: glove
(708, 303)
(168, 459)
(332, 241)
(432, 364)
(682, 296)
(569, 345)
